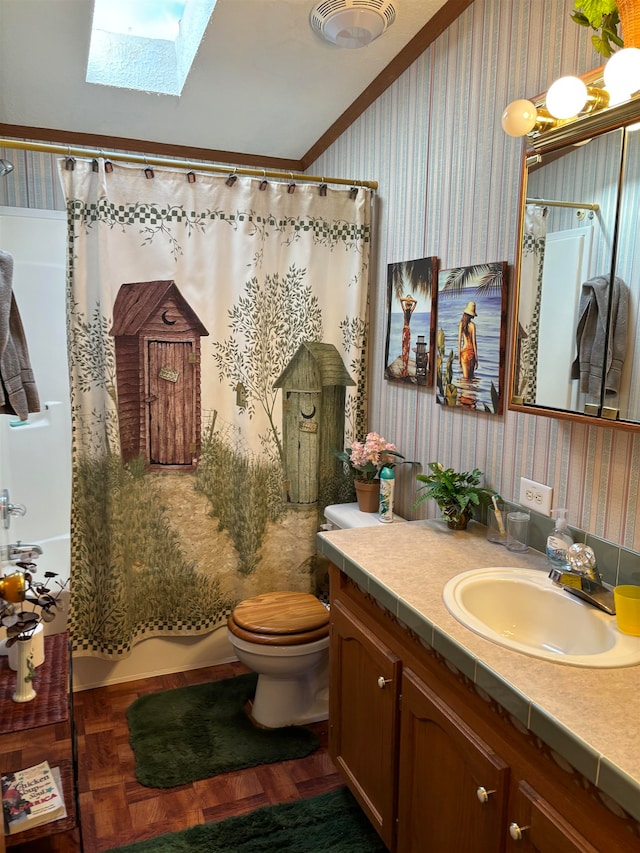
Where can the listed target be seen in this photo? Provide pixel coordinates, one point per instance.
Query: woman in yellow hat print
(467, 346)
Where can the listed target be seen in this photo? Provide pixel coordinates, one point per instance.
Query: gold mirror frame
(545, 142)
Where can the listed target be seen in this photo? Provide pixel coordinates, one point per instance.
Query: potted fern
(455, 492)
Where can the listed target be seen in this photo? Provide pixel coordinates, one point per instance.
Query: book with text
(31, 797)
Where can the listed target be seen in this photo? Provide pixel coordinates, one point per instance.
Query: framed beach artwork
(412, 288)
(471, 337)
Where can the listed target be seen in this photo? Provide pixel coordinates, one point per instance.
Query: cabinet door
(363, 716)
(536, 827)
(452, 787)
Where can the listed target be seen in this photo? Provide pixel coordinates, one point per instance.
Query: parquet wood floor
(115, 809)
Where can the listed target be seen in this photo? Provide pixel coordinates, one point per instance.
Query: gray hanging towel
(18, 392)
(591, 333)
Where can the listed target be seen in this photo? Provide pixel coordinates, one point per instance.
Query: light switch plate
(535, 496)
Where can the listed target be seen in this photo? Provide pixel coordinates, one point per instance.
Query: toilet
(284, 637)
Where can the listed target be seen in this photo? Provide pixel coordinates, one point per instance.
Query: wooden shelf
(51, 683)
(65, 824)
(41, 730)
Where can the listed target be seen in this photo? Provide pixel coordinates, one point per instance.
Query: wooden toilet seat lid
(278, 615)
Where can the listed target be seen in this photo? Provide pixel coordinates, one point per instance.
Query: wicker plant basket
(629, 11)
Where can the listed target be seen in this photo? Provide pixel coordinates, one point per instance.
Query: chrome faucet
(22, 552)
(582, 578)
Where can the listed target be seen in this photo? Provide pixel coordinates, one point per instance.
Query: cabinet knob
(516, 832)
(382, 682)
(483, 795)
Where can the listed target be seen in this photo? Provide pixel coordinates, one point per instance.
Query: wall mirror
(576, 336)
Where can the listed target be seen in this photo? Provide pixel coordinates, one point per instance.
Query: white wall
(449, 186)
(35, 457)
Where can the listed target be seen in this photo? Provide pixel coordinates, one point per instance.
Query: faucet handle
(8, 509)
(581, 559)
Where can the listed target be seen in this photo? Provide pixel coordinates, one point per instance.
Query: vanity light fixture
(585, 99)
(568, 99)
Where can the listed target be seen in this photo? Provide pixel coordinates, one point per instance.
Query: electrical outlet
(535, 496)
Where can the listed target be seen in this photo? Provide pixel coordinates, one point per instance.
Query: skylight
(147, 45)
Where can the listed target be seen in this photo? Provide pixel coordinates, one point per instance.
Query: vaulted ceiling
(264, 88)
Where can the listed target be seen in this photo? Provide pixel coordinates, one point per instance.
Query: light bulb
(622, 74)
(519, 117)
(566, 97)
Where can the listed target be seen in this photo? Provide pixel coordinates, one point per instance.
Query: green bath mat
(331, 823)
(190, 733)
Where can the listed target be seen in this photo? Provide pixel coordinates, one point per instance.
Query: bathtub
(55, 557)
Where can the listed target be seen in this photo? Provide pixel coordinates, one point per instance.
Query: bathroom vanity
(452, 742)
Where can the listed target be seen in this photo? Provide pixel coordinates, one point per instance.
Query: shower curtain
(217, 336)
(532, 264)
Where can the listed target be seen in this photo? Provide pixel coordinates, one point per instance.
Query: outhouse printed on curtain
(217, 340)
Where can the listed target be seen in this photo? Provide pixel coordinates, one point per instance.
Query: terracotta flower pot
(368, 495)
(458, 523)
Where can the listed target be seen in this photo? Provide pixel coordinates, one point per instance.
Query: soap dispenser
(559, 540)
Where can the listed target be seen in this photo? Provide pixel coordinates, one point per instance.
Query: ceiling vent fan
(352, 23)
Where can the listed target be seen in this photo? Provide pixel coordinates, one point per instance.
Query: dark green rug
(190, 733)
(328, 823)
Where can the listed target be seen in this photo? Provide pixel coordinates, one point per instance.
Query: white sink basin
(523, 610)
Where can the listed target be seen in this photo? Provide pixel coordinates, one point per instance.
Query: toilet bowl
(284, 637)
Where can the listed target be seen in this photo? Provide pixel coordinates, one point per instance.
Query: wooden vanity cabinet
(437, 767)
(535, 825)
(453, 788)
(363, 709)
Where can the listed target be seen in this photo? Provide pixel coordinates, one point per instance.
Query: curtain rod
(70, 151)
(587, 205)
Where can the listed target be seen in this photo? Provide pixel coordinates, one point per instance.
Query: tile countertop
(588, 716)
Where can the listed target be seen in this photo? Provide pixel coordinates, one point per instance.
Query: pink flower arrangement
(366, 460)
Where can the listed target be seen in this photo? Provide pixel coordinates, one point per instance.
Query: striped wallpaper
(449, 186)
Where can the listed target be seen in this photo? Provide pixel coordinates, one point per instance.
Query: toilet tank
(343, 516)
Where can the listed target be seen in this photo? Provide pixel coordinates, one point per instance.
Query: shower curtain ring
(232, 178)
(148, 171)
(322, 190)
(292, 186)
(264, 183)
(108, 165)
